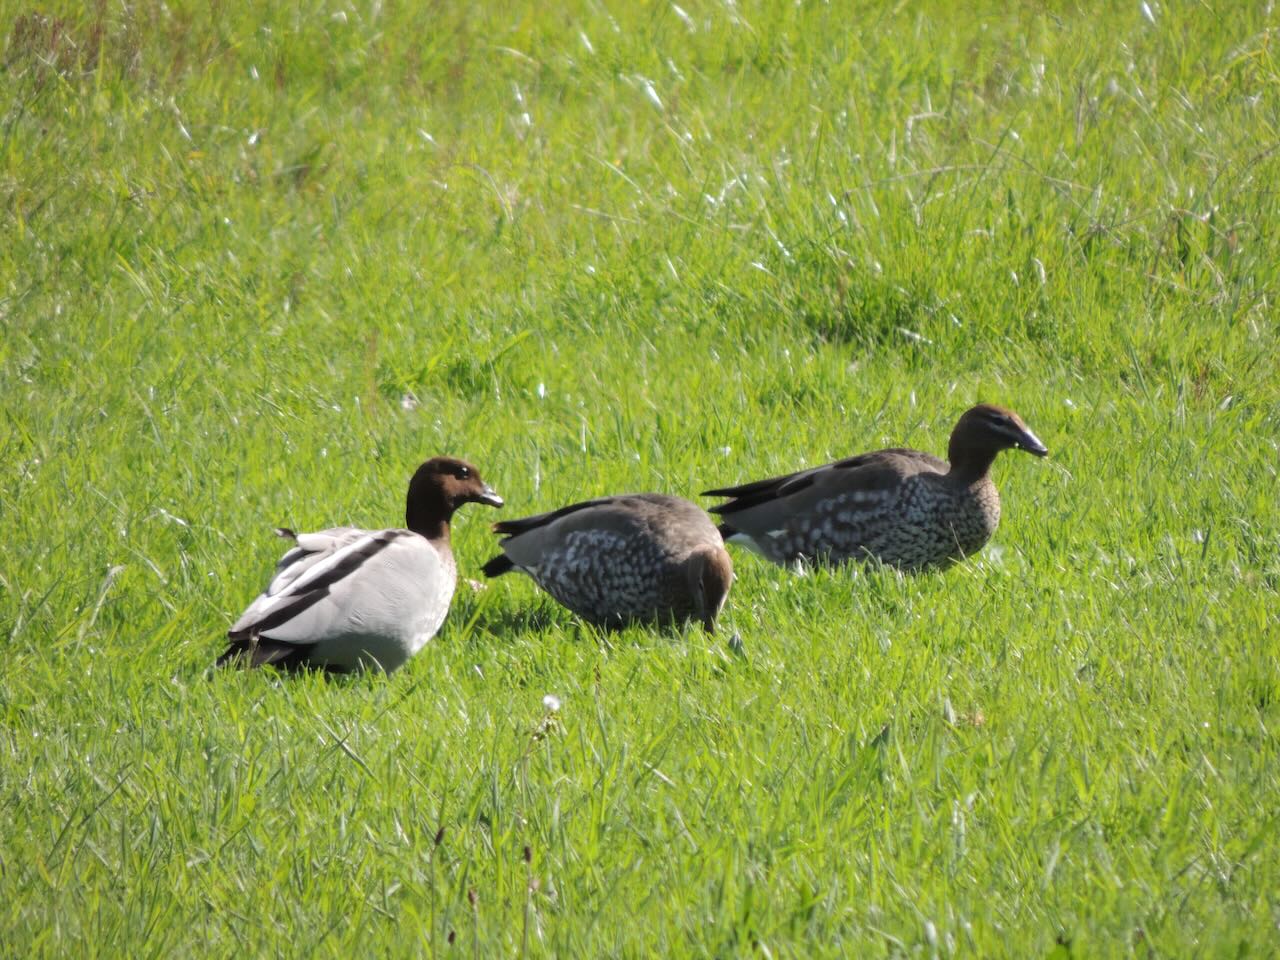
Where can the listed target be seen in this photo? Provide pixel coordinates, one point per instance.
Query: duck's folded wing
(859, 484)
(869, 473)
(753, 494)
(309, 550)
(306, 575)
(519, 525)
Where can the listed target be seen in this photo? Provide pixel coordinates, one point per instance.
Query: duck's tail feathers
(498, 566)
(256, 651)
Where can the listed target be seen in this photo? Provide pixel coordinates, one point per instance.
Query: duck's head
(710, 573)
(984, 430)
(439, 487)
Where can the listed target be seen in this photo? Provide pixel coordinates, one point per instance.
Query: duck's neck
(969, 466)
(431, 520)
(438, 534)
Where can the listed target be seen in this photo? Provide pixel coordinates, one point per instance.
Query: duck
(631, 558)
(345, 598)
(905, 508)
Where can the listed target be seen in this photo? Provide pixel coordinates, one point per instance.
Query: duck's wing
(610, 559)
(862, 483)
(623, 519)
(520, 525)
(309, 549)
(868, 470)
(526, 537)
(319, 581)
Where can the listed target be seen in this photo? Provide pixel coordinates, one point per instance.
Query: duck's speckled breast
(951, 522)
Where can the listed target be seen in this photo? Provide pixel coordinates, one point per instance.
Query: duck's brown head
(710, 574)
(982, 432)
(438, 488)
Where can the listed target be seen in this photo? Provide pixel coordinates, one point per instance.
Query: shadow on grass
(500, 622)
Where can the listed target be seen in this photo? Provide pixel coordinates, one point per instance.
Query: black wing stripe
(790, 485)
(317, 589)
(282, 615)
(351, 562)
(748, 489)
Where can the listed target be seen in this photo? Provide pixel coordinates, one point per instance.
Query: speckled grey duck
(642, 557)
(346, 598)
(902, 507)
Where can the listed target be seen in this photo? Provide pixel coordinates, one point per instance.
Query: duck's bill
(1032, 445)
(490, 496)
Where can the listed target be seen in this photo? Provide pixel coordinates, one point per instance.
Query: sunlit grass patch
(259, 263)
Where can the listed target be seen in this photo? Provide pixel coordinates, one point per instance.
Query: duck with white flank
(348, 598)
(902, 507)
(641, 557)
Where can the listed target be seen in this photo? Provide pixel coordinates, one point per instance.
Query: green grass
(257, 265)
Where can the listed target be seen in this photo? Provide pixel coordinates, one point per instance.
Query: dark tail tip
(256, 651)
(498, 566)
(726, 531)
(231, 656)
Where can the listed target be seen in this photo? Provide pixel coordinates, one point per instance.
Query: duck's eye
(464, 472)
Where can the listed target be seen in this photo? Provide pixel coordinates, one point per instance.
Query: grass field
(259, 264)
